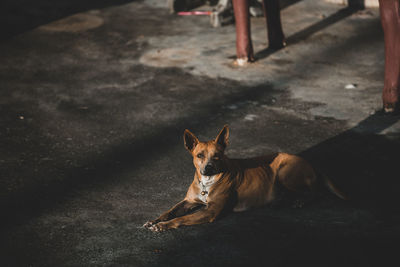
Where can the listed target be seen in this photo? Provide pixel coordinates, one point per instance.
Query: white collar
(205, 183)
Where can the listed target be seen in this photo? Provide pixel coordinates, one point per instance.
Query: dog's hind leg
(297, 177)
(285, 197)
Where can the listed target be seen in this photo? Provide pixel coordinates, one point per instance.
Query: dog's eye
(200, 155)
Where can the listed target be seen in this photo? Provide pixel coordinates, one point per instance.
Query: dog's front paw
(149, 224)
(159, 227)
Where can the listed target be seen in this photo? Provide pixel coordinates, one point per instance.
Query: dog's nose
(209, 167)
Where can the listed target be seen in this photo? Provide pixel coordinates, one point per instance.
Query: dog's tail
(333, 188)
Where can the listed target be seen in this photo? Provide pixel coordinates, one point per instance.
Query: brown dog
(223, 184)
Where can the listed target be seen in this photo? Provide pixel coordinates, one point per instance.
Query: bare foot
(243, 61)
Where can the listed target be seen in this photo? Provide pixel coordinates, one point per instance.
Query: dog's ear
(223, 137)
(190, 140)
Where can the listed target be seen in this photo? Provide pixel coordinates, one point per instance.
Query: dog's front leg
(179, 209)
(208, 214)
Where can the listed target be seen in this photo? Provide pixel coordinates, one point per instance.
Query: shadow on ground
(364, 163)
(34, 198)
(18, 16)
(312, 29)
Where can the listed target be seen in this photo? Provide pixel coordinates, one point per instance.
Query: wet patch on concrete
(295, 67)
(75, 23)
(169, 57)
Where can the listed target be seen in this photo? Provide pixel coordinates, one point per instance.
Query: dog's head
(208, 157)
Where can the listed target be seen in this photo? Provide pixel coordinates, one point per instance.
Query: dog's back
(256, 178)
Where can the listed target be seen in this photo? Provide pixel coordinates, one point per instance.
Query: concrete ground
(94, 100)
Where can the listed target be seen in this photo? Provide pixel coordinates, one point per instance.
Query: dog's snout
(209, 169)
(209, 166)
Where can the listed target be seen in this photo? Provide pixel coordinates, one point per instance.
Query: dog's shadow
(358, 232)
(364, 163)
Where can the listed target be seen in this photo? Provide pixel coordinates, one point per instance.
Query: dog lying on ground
(221, 184)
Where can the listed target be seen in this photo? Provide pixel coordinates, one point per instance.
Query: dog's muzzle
(209, 169)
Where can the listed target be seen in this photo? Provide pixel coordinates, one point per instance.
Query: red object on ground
(194, 13)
